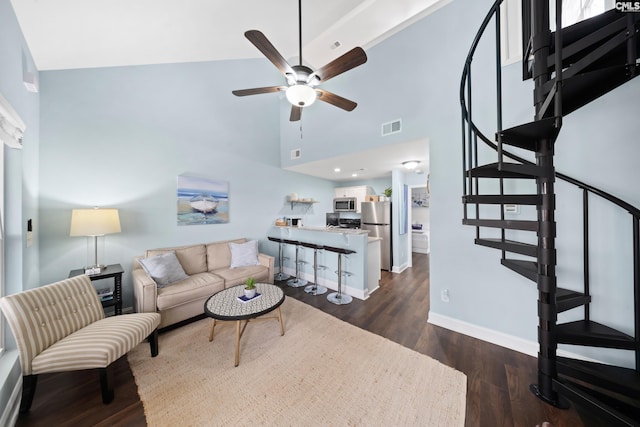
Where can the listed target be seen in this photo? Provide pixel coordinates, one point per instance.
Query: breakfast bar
(363, 264)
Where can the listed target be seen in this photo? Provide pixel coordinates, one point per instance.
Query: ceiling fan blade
(260, 41)
(296, 113)
(336, 100)
(258, 90)
(349, 60)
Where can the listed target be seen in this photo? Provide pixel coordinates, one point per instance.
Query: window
(11, 130)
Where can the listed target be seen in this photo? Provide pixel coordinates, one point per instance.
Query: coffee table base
(240, 330)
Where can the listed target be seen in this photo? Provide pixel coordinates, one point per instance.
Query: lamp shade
(301, 95)
(94, 222)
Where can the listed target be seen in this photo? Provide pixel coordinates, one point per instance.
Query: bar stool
(314, 288)
(338, 297)
(296, 282)
(279, 275)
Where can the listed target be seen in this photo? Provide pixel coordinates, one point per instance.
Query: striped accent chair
(62, 327)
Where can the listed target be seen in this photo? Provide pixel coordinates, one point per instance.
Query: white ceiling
(374, 163)
(67, 34)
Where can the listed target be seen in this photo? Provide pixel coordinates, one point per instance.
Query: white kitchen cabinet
(360, 192)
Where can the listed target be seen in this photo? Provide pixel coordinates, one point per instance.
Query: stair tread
(581, 89)
(528, 269)
(528, 135)
(506, 224)
(507, 170)
(581, 38)
(509, 245)
(497, 199)
(567, 299)
(594, 334)
(577, 31)
(615, 378)
(616, 411)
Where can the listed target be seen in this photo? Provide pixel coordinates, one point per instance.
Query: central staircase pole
(546, 257)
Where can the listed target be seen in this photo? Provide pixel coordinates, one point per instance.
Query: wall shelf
(300, 202)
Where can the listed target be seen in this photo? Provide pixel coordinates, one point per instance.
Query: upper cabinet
(360, 192)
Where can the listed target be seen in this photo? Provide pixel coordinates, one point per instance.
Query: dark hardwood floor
(497, 378)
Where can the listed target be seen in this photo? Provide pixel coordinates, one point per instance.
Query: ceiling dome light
(301, 95)
(411, 164)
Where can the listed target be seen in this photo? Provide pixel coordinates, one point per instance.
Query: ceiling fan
(302, 81)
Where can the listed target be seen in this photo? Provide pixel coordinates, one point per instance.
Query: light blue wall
(415, 75)
(120, 136)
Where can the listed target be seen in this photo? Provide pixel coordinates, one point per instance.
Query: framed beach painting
(202, 201)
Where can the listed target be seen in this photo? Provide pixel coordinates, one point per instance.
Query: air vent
(391, 127)
(296, 154)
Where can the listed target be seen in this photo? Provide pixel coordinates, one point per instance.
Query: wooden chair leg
(153, 342)
(106, 384)
(28, 390)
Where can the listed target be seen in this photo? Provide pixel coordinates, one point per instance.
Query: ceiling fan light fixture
(301, 95)
(411, 164)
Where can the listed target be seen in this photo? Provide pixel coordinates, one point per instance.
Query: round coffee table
(226, 305)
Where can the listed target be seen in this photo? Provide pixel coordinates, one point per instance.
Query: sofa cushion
(164, 269)
(244, 254)
(237, 276)
(193, 258)
(219, 254)
(194, 287)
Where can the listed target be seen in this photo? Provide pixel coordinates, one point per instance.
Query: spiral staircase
(570, 68)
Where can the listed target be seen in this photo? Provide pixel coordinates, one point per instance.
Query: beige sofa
(208, 267)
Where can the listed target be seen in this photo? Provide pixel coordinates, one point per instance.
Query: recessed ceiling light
(336, 169)
(354, 174)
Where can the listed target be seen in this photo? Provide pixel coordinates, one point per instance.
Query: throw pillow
(243, 254)
(164, 269)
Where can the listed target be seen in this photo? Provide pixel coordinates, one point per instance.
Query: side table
(111, 271)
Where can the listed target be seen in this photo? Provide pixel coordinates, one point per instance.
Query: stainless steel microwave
(345, 204)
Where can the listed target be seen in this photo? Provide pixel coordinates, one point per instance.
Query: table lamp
(94, 223)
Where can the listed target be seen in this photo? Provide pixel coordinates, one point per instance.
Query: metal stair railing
(471, 136)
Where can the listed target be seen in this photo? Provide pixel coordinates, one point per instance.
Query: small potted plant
(250, 287)
(387, 193)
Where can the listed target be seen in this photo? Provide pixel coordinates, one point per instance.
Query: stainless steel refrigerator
(376, 217)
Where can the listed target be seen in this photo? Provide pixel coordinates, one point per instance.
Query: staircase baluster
(636, 286)
(585, 248)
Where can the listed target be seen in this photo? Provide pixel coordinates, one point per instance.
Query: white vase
(250, 293)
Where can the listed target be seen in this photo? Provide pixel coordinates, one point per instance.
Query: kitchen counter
(363, 279)
(330, 229)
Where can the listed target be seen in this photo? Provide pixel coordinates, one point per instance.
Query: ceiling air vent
(391, 127)
(296, 154)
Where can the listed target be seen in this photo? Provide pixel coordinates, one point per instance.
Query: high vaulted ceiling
(69, 34)
(65, 34)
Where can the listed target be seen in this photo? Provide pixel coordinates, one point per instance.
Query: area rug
(322, 372)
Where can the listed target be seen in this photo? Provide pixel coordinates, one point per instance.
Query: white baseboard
(495, 337)
(399, 269)
(9, 416)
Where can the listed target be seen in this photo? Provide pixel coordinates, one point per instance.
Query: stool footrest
(344, 273)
